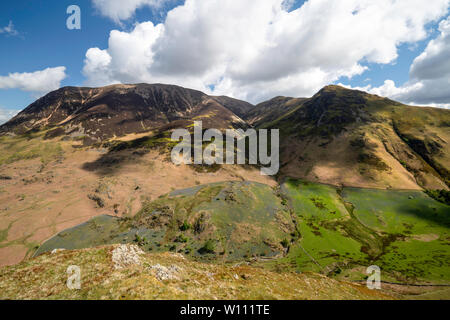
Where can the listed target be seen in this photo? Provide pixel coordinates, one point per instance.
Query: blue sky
(42, 41)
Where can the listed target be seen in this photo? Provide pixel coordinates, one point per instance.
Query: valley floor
(314, 241)
(48, 186)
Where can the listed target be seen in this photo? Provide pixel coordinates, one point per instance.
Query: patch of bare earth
(13, 254)
(426, 237)
(39, 202)
(336, 162)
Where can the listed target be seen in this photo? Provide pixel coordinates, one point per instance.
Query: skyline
(247, 50)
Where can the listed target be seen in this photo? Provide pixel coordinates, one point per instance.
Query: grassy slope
(406, 233)
(47, 186)
(342, 231)
(342, 136)
(18, 148)
(46, 276)
(223, 221)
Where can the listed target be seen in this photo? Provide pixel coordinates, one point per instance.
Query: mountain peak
(336, 89)
(120, 109)
(333, 87)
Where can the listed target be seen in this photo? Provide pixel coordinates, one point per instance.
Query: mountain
(338, 136)
(86, 167)
(239, 107)
(349, 137)
(271, 110)
(117, 110)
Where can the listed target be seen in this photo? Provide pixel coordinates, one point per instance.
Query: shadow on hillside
(127, 152)
(436, 213)
(124, 153)
(111, 162)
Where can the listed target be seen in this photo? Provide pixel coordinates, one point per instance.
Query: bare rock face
(126, 255)
(163, 273)
(102, 113)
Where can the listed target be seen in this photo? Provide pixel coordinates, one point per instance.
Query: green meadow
(230, 221)
(299, 227)
(345, 230)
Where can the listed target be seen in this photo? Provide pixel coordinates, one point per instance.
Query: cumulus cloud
(255, 50)
(6, 114)
(9, 30)
(429, 82)
(288, 4)
(119, 10)
(434, 62)
(37, 82)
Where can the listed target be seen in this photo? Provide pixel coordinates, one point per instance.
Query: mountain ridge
(116, 110)
(339, 150)
(348, 137)
(338, 136)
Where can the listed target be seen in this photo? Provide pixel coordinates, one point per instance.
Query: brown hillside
(113, 111)
(348, 137)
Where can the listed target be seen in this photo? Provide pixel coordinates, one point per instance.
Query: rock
(126, 255)
(163, 273)
(54, 251)
(100, 202)
(178, 255)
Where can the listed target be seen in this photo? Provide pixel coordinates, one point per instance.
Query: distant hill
(338, 136)
(349, 137)
(86, 167)
(271, 110)
(227, 221)
(117, 110)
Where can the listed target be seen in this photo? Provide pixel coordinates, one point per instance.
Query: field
(415, 230)
(345, 230)
(300, 227)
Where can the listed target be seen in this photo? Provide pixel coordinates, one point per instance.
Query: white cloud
(429, 75)
(9, 30)
(119, 10)
(38, 82)
(255, 50)
(434, 62)
(6, 114)
(288, 4)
